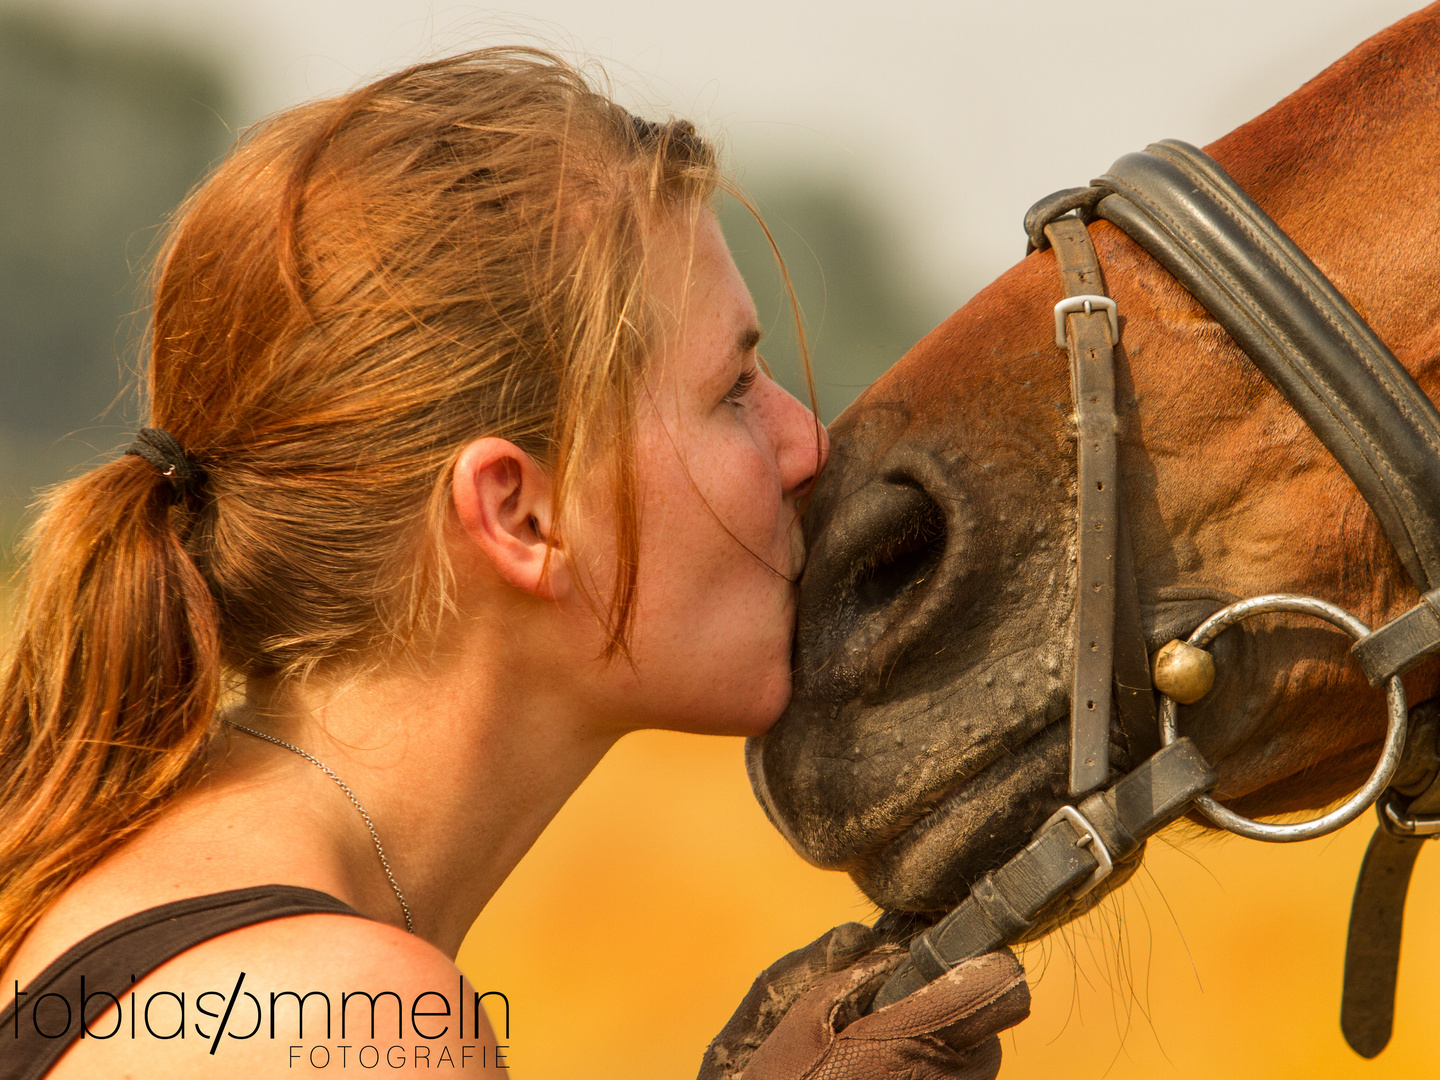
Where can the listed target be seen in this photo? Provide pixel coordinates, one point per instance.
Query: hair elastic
(164, 451)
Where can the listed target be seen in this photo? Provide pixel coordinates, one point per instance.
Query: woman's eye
(742, 387)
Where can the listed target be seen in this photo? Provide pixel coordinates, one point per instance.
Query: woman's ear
(503, 501)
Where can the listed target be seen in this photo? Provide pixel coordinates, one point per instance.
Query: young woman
(462, 465)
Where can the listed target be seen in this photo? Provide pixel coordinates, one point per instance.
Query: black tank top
(114, 957)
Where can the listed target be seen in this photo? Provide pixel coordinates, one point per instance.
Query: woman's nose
(801, 444)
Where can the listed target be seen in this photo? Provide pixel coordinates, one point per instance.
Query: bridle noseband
(1186, 212)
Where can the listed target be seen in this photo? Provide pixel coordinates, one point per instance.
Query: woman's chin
(762, 714)
(747, 717)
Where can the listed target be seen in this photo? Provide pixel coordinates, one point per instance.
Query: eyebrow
(748, 339)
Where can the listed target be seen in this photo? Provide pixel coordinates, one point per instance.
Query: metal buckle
(1398, 822)
(1088, 836)
(1086, 304)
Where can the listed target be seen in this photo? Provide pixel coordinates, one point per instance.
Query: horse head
(928, 734)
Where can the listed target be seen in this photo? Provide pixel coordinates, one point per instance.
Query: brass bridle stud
(1183, 672)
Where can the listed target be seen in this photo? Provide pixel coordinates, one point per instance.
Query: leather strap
(1004, 905)
(1092, 387)
(1134, 693)
(1401, 643)
(1187, 213)
(1372, 950)
(1377, 914)
(1080, 200)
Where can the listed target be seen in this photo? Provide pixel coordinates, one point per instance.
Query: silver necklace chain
(384, 862)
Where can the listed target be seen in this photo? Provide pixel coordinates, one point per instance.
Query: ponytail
(110, 685)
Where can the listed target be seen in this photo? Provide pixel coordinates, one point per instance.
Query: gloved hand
(802, 1018)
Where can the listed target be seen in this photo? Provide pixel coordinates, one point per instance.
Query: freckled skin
(721, 478)
(953, 693)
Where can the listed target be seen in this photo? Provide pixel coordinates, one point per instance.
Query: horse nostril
(904, 560)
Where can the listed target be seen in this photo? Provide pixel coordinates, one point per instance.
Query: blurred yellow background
(630, 932)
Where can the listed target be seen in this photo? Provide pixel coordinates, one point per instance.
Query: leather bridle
(1186, 212)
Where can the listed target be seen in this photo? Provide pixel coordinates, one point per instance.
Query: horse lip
(760, 784)
(939, 803)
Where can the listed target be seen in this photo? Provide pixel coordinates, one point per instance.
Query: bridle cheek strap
(1108, 641)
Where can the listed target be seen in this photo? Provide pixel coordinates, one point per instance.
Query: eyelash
(742, 387)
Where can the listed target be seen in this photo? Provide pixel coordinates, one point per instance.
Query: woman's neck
(459, 771)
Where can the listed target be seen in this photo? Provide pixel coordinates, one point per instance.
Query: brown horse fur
(928, 733)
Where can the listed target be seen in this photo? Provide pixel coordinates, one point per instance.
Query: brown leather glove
(802, 1019)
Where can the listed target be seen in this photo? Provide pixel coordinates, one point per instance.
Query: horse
(928, 737)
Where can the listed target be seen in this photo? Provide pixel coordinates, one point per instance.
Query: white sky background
(953, 117)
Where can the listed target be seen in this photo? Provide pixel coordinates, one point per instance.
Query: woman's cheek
(745, 493)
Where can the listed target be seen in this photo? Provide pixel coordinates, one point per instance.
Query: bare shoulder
(331, 995)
